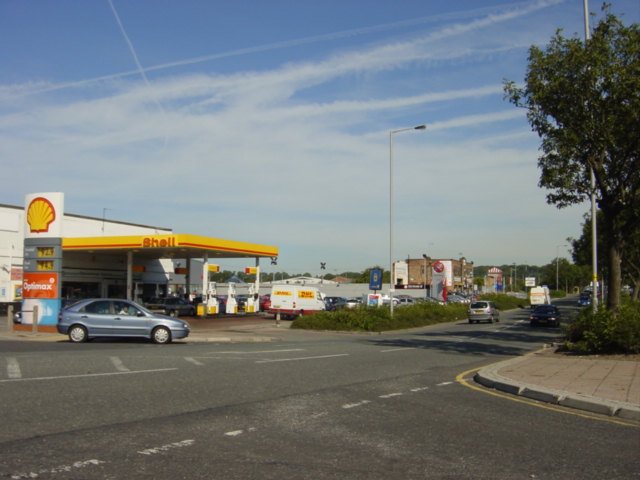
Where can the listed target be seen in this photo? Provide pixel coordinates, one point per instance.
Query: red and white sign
(438, 267)
(40, 285)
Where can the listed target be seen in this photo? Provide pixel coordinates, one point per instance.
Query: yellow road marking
(462, 380)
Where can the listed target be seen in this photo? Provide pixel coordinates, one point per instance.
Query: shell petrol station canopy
(168, 246)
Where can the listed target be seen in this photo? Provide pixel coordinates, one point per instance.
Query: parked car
(172, 306)
(403, 301)
(334, 303)
(454, 298)
(353, 302)
(222, 303)
(265, 302)
(483, 311)
(547, 314)
(112, 317)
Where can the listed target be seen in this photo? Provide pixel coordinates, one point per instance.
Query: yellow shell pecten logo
(40, 215)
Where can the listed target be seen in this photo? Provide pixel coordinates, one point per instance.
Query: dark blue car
(547, 314)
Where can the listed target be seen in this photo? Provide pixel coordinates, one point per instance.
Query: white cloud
(261, 156)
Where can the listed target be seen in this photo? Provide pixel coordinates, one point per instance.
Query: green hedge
(378, 319)
(505, 302)
(604, 332)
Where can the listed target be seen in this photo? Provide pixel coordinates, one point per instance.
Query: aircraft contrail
(526, 6)
(135, 57)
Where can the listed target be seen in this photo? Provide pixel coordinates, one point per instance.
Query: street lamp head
(420, 127)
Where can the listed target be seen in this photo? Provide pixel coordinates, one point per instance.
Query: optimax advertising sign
(40, 290)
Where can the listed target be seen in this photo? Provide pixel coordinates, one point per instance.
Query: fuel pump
(212, 301)
(253, 304)
(232, 303)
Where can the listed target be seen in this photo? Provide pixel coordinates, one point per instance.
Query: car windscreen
(479, 305)
(545, 309)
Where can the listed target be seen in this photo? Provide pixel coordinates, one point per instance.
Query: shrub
(604, 332)
(557, 293)
(374, 319)
(503, 301)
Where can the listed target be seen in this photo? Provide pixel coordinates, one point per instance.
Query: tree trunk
(614, 280)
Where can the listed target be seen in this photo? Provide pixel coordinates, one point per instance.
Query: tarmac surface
(607, 385)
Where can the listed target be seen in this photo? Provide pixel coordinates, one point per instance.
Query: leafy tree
(583, 100)
(630, 267)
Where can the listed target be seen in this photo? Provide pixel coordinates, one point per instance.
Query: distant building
(418, 273)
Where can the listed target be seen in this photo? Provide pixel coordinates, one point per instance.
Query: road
(315, 405)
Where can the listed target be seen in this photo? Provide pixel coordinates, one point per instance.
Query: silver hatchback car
(113, 317)
(483, 311)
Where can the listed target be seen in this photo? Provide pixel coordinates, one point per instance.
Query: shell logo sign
(44, 215)
(40, 214)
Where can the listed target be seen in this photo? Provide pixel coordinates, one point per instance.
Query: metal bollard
(34, 320)
(10, 318)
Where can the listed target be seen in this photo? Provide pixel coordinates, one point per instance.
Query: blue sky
(268, 122)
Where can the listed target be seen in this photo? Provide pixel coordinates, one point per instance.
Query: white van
(539, 296)
(294, 300)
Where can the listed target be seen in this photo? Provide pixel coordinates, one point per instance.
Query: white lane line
(59, 469)
(261, 351)
(444, 384)
(194, 361)
(397, 349)
(118, 364)
(302, 358)
(391, 395)
(354, 405)
(169, 446)
(236, 433)
(61, 377)
(13, 368)
(419, 389)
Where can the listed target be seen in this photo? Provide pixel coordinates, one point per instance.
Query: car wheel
(78, 334)
(161, 335)
(470, 321)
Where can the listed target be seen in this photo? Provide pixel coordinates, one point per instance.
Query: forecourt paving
(608, 385)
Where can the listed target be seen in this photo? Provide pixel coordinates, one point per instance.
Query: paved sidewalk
(608, 385)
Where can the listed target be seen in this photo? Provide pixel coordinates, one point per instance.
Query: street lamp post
(391, 134)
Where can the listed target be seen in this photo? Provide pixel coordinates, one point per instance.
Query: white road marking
(444, 384)
(262, 351)
(397, 349)
(302, 358)
(235, 433)
(354, 405)
(164, 448)
(13, 368)
(118, 364)
(194, 361)
(419, 389)
(61, 377)
(59, 469)
(390, 395)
